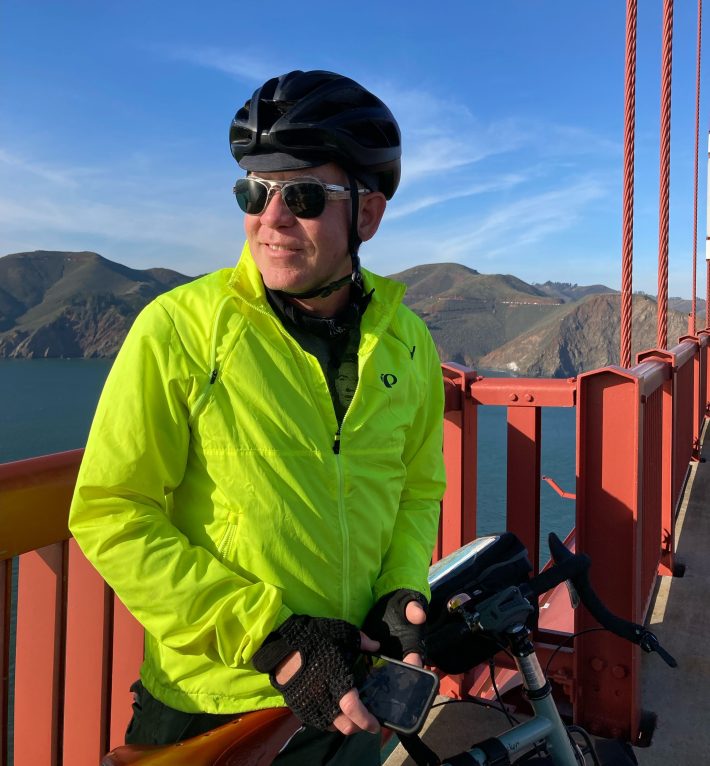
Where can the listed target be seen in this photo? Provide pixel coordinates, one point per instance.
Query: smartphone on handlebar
(399, 695)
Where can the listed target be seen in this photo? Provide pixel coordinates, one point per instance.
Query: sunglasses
(304, 197)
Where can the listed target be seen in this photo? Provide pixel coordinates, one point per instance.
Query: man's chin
(285, 286)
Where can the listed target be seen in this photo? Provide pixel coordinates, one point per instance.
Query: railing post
(698, 409)
(523, 483)
(127, 655)
(39, 674)
(458, 519)
(458, 516)
(666, 459)
(88, 651)
(607, 697)
(679, 358)
(5, 619)
(704, 338)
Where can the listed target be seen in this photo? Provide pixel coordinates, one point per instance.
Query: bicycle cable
(512, 720)
(567, 641)
(573, 729)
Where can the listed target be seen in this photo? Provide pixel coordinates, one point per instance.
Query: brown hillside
(586, 336)
(470, 314)
(65, 304)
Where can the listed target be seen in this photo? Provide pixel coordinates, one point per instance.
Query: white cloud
(441, 135)
(249, 66)
(61, 176)
(526, 220)
(502, 235)
(499, 183)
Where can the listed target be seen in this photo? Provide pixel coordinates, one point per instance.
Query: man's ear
(372, 208)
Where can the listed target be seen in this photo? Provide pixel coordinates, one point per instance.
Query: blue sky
(114, 119)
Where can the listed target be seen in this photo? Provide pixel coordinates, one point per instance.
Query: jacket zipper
(345, 533)
(344, 529)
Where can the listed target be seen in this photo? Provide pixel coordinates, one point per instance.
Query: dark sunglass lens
(305, 200)
(251, 195)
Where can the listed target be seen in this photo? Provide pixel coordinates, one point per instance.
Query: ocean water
(557, 461)
(46, 406)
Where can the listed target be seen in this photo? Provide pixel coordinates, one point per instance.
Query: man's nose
(276, 213)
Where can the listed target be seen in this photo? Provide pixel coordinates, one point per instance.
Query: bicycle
(483, 600)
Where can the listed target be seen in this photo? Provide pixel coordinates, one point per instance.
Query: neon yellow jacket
(211, 498)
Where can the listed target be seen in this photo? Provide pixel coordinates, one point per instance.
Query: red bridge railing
(636, 432)
(77, 649)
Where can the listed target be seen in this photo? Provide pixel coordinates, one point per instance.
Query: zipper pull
(336, 443)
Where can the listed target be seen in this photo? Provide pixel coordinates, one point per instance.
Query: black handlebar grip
(630, 631)
(570, 567)
(607, 619)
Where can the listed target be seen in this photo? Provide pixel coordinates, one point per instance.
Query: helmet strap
(354, 243)
(354, 240)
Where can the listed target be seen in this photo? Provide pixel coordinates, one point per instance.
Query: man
(264, 470)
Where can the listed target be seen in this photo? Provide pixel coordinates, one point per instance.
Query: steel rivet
(513, 397)
(529, 397)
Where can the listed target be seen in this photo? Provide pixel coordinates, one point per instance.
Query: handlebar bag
(479, 569)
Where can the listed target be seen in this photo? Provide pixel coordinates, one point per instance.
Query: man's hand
(310, 661)
(417, 616)
(355, 717)
(396, 621)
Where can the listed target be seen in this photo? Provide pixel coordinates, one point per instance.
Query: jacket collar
(246, 282)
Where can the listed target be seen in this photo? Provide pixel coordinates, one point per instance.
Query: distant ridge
(570, 292)
(470, 314)
(72, 304)
(80, 304)
(585, 336)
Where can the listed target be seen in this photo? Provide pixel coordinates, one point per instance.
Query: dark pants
(154, 723)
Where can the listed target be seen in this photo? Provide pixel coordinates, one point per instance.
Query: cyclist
(264, 470)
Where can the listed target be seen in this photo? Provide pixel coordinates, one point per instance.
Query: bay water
(46, 406)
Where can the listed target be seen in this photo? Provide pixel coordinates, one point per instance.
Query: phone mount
(481, 572)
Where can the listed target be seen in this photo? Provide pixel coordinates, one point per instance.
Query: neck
(323, 307)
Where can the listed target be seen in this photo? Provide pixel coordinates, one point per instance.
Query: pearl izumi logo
(388, 379)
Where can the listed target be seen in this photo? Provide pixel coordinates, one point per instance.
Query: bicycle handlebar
(575, 568)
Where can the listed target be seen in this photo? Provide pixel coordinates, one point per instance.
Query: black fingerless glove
(328, 650)
(387, 623)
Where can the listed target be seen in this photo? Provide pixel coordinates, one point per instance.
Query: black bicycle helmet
(305, 119)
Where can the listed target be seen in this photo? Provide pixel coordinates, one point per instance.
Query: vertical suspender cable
(693, 309)
(707, 244)
(627, 235)
(666, 68)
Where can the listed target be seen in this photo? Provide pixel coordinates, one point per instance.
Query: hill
(684, 305)
(470, 314)
(585, 336)
(63, 304)
(569, 292)
(60, 304)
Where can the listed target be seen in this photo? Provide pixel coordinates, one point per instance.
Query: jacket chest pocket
(227, 543)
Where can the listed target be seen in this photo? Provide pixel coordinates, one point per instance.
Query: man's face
(298, 254)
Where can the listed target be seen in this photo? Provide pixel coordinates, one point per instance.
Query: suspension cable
(627, 236)
(693, 309)
(664, 196)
